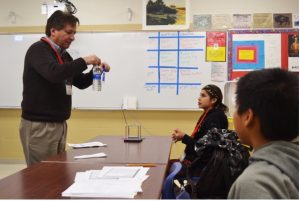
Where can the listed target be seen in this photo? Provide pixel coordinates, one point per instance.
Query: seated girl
(210, 101)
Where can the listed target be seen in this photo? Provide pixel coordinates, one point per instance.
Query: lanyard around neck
(199, 124)
(54, 49)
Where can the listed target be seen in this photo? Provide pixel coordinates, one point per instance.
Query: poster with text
(241, 21)
(215, 46)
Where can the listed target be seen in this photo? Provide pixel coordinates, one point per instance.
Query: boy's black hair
(59, 19)
(273, 96)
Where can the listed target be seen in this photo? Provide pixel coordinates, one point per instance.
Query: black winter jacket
(215, 118)
(44, 83)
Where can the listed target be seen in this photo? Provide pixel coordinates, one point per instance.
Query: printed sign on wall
(215, 46)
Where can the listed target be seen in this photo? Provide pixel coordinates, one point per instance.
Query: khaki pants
(42, 139)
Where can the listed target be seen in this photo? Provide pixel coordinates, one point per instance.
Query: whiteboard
(162, 70)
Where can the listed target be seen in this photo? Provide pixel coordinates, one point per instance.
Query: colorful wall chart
(259, 49)
(248, 55)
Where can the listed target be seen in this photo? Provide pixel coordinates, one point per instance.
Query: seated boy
(267, 118)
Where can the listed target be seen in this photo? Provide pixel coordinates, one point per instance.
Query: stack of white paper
(97, 155)
(86, 145)
(110, 182)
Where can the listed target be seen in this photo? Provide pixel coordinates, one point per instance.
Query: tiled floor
(8, 169)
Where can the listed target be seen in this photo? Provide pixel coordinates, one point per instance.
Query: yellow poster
(215, 54)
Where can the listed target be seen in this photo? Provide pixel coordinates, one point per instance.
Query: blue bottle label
(96, 76)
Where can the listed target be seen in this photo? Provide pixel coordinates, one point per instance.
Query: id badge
(68, 89)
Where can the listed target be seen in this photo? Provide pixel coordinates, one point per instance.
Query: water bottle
(97, 71)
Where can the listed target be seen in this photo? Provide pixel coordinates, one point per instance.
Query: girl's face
(205, 101)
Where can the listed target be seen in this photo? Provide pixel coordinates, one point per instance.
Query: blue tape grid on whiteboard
(177, 67)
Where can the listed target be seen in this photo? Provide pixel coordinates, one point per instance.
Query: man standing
(49, 73)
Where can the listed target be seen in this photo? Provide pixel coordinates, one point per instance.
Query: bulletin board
(258, 49)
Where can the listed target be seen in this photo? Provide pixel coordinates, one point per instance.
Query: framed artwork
(241, 21)
(262, 20)
(296, 20)
(202, 22)
(282, 20)
(293, 51)
(165, 14)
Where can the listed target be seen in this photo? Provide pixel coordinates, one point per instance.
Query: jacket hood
(282, 154)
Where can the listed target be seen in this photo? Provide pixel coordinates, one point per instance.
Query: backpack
(221, 158)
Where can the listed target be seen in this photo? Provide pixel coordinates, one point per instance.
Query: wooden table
(153, 149)
(48, 180)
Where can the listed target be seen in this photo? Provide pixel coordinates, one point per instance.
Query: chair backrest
(168, 187)
(183, 195)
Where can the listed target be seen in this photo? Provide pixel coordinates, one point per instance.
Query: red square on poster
(237, 74)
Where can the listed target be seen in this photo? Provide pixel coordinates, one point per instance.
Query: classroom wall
(113, 14)
(85, 125)
(103, 15)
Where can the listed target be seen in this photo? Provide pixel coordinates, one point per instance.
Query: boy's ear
(248, 117)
